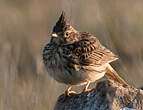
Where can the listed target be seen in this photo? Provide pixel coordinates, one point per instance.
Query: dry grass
(24, 29)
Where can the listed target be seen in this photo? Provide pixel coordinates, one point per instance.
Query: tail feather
(112, 74)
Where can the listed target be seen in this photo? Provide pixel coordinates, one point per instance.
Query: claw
(68, 93)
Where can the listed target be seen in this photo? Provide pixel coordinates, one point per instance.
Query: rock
(108, 95)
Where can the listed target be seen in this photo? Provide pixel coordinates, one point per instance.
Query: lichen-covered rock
(108, 95)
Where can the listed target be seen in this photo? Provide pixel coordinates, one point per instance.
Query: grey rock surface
(108, 95)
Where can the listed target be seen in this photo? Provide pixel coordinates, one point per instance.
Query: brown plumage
(77, 58)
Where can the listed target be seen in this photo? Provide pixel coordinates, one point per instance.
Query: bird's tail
(113, 75)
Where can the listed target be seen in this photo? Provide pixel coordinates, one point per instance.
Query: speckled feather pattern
(74, 58)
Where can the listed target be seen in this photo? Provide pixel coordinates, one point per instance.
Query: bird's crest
(61, 23)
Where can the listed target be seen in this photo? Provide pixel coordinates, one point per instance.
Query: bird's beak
(54, 35)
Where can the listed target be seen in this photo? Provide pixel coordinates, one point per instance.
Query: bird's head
(63, 33)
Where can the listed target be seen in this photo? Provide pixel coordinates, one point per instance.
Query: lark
(77, 58)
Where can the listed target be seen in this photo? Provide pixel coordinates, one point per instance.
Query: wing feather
(89, 51)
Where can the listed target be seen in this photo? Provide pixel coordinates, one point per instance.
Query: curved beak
(54, 35)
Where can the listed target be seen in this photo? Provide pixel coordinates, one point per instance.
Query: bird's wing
(89, 51)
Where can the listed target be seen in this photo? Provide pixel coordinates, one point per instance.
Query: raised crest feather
(61, 23)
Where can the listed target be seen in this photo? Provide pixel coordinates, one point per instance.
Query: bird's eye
(67, 34)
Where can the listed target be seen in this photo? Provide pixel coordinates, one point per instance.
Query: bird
(77, 58)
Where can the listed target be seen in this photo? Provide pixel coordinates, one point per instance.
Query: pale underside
(77, 75)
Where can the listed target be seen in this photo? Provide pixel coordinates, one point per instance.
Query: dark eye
(66, 34)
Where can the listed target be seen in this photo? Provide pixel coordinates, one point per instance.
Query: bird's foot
(69, 93)
(86, 90)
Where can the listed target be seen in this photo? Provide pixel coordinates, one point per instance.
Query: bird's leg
(86, 87)
(68, 92)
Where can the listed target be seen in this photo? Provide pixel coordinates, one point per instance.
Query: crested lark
(76, 58)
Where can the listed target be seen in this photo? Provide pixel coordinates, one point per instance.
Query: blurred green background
(25, 26)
